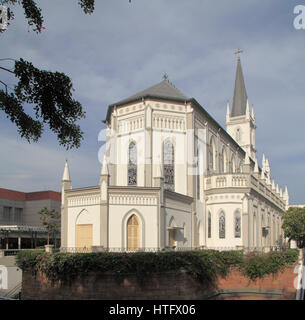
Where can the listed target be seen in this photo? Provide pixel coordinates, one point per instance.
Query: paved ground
(10, 277)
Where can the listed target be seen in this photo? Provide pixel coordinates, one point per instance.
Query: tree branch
(4, 85)
(8, 70)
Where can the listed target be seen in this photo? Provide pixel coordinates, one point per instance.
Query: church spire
(66, 174)
(240, 94)
(65, 183)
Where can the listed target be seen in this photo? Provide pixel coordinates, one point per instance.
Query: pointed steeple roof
(164, 90)
(273, 185)
(240, 94)
(66, 175)
(256, 170)
(104, 170)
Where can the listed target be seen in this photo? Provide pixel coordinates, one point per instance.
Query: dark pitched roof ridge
(164, 89)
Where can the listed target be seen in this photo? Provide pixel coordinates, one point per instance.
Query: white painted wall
(182, 219)
(201, 221)
(246, 130)
(84, 215)
(118, 217)
(228, 206)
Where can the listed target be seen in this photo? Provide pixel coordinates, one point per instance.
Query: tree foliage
(49, 93)
(294, 225)
(50, 220)
(33, 14)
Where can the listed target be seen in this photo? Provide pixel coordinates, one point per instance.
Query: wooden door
(84, 236)
(133, 233)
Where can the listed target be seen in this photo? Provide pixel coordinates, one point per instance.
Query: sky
(123, 48)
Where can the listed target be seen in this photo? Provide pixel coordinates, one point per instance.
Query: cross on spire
(238, 52)
(165, 76)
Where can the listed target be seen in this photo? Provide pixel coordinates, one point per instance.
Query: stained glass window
(237, 224)
(209, 225)
(132, 164)
(169, 165)
(222, 225)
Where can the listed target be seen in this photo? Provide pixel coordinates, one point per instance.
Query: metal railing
(117, 249)
(13, 252)
(13, 293)
(96, 249)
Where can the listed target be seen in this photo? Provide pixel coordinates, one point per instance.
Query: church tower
(240, 122)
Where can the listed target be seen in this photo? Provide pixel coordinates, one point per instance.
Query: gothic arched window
(212, 155)
(237, 224)
(238, 166)
(169, 165)
(225, 160)
(209, 225)
(132, 164)
(232, 164)
(133, 233)
(222, 225)
(278, 230)
(220, 160)
(263, 223)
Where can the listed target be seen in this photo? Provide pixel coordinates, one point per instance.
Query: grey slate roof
(240, 94)
(163, 90)
(167, 91)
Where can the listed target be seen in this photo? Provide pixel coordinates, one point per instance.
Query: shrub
(257, 265)
(26, 259)
(204, 265)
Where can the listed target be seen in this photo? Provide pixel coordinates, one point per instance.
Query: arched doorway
(133, 233)
(172, 242)
(84, 231)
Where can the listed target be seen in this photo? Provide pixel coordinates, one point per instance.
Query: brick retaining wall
(167, 286)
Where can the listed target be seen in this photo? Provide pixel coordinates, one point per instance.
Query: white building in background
(172, 176)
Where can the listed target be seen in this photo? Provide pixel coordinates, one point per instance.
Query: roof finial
(238, 52)
(165, 76)
(66, 175)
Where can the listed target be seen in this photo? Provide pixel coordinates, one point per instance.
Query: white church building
(173, 177)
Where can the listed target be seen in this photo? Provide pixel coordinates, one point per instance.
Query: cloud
(124, 48)
(32, 167)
